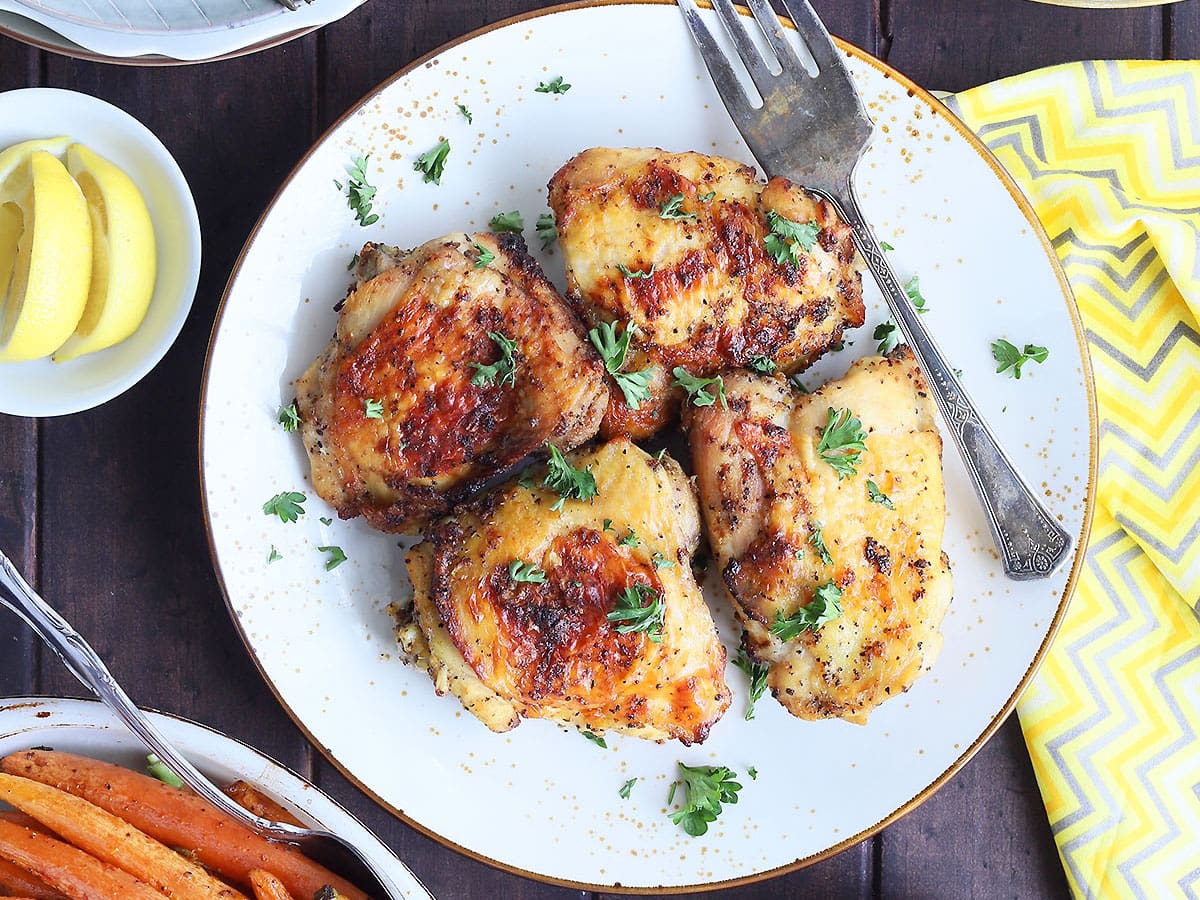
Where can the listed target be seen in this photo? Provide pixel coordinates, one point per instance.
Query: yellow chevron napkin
(1109, 154)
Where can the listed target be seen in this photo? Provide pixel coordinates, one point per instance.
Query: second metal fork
(812, 129)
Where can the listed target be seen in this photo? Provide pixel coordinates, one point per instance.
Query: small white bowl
(45, 388)
(88, 728)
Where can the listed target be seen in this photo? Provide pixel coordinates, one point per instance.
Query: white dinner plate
(89, 728)
(540, 800)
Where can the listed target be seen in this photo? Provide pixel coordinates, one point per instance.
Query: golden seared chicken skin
(450, 363)
(680, 246)
(586, 614)
(826, 513)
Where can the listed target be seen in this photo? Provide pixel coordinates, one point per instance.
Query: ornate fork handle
(1033, 542)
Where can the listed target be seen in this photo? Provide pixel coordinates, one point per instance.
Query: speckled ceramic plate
(89, 728)
(540, 800)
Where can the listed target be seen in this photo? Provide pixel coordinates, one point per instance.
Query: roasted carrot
(113, 840)
(260, 804)
(267, 886)
(16, 882)
(178, 819)
(68, 869)
(20, 818)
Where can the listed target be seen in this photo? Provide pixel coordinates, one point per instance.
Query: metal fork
(813, 129)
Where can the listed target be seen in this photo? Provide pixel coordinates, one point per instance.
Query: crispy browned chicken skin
(766, 491)
(712, 298)
(395, 418)
(511, 648)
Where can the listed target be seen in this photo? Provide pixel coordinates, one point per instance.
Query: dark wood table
(101, 510)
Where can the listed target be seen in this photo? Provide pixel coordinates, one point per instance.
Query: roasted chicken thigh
(450, 363)
(825, 513)
(714, 269)
(583, 611)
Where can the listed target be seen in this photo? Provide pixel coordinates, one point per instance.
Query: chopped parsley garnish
(289, 417)
(274, 555)
(695, 387)
(888, 336)
(1010, 359)
(336, 557)
(842, 442)
(912, 287)
(816, 537)
(483, 256)
(886, 246)
(547, 231)
(373, 409)
(466, 113)
(634, 616)
(875, 495)
(504, 370)
(553, 86)
(595, 739)
(289, 506)
(159, 770)
(567, 481)
(508, 221)
(623, 793)
(630, 540)
(785, 235)
(753, 773)
(706, 198)
(612, 349)
(762, 363)
(658, 457)
(353, 262)
(629, 273)
(608, 526)
(797, 384)
(325, 520)
(661, 562)
(525, 573)
(432, 163)
(705, 789)
(757, 673)
(825, 606)
(672, 208)
(359, 193)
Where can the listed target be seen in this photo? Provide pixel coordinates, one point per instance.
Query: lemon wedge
(17, 156)
(51, 267)
(123, 255)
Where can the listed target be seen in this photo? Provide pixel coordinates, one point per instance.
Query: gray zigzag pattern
(1080, 264)
(1185, 739)
(1181, 331)
(1124, 90)
(1165, 492)
(1174, 554)
(1188, 884)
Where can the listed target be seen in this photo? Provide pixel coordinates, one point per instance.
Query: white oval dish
(45, 388)
(88, 728)
(551, 797)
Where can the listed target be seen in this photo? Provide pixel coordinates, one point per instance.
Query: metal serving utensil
(291, 4)
(333, 852)
(812, 128)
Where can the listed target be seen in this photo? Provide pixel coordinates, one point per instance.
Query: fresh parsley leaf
(630, 540)
(289, 417)
(612, 349)
(705, 789)
(695, 387)
(886, 246)
(672, 208)
(289, 506)
(958, 373)
(373, 409)
(842, 442)
(753, 773)
(635, 386)
(623, 793)
(888, 336)
(661, 562)
(570, 483)
(336, 557)
(353, 262)
(483, 256)
(553, 86)
(635, 616)
(785, 235)
(825, 606)
(325, 520)
(359, 192)
(273, 556)
(629, 273)
(757, 673)
(608, 526)
(658, 457)
(504, 370)
(525, 573)
(671, 792)
(816, 537)
(1010, 359)
(595, 739)
(797, 384)
(912, 287)
(159, 770)
(432, 163)
(508, 221)
(875, 495)
(466, 113)
(706, 198)
(546, 230)
(762, 363)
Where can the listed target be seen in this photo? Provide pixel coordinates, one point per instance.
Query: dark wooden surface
(101, 509)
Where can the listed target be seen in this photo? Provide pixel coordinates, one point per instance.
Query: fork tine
(759, 69)
(729, 86)
(812, 30)
(772, 28)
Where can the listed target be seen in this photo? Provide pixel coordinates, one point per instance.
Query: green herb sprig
(785, 235)
(359, 192)
(432, 163)
(503, 371)
(1010, 359)
(826, 606)
(696, 387)
(706, 788)
(842, 442)
(639, 608)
